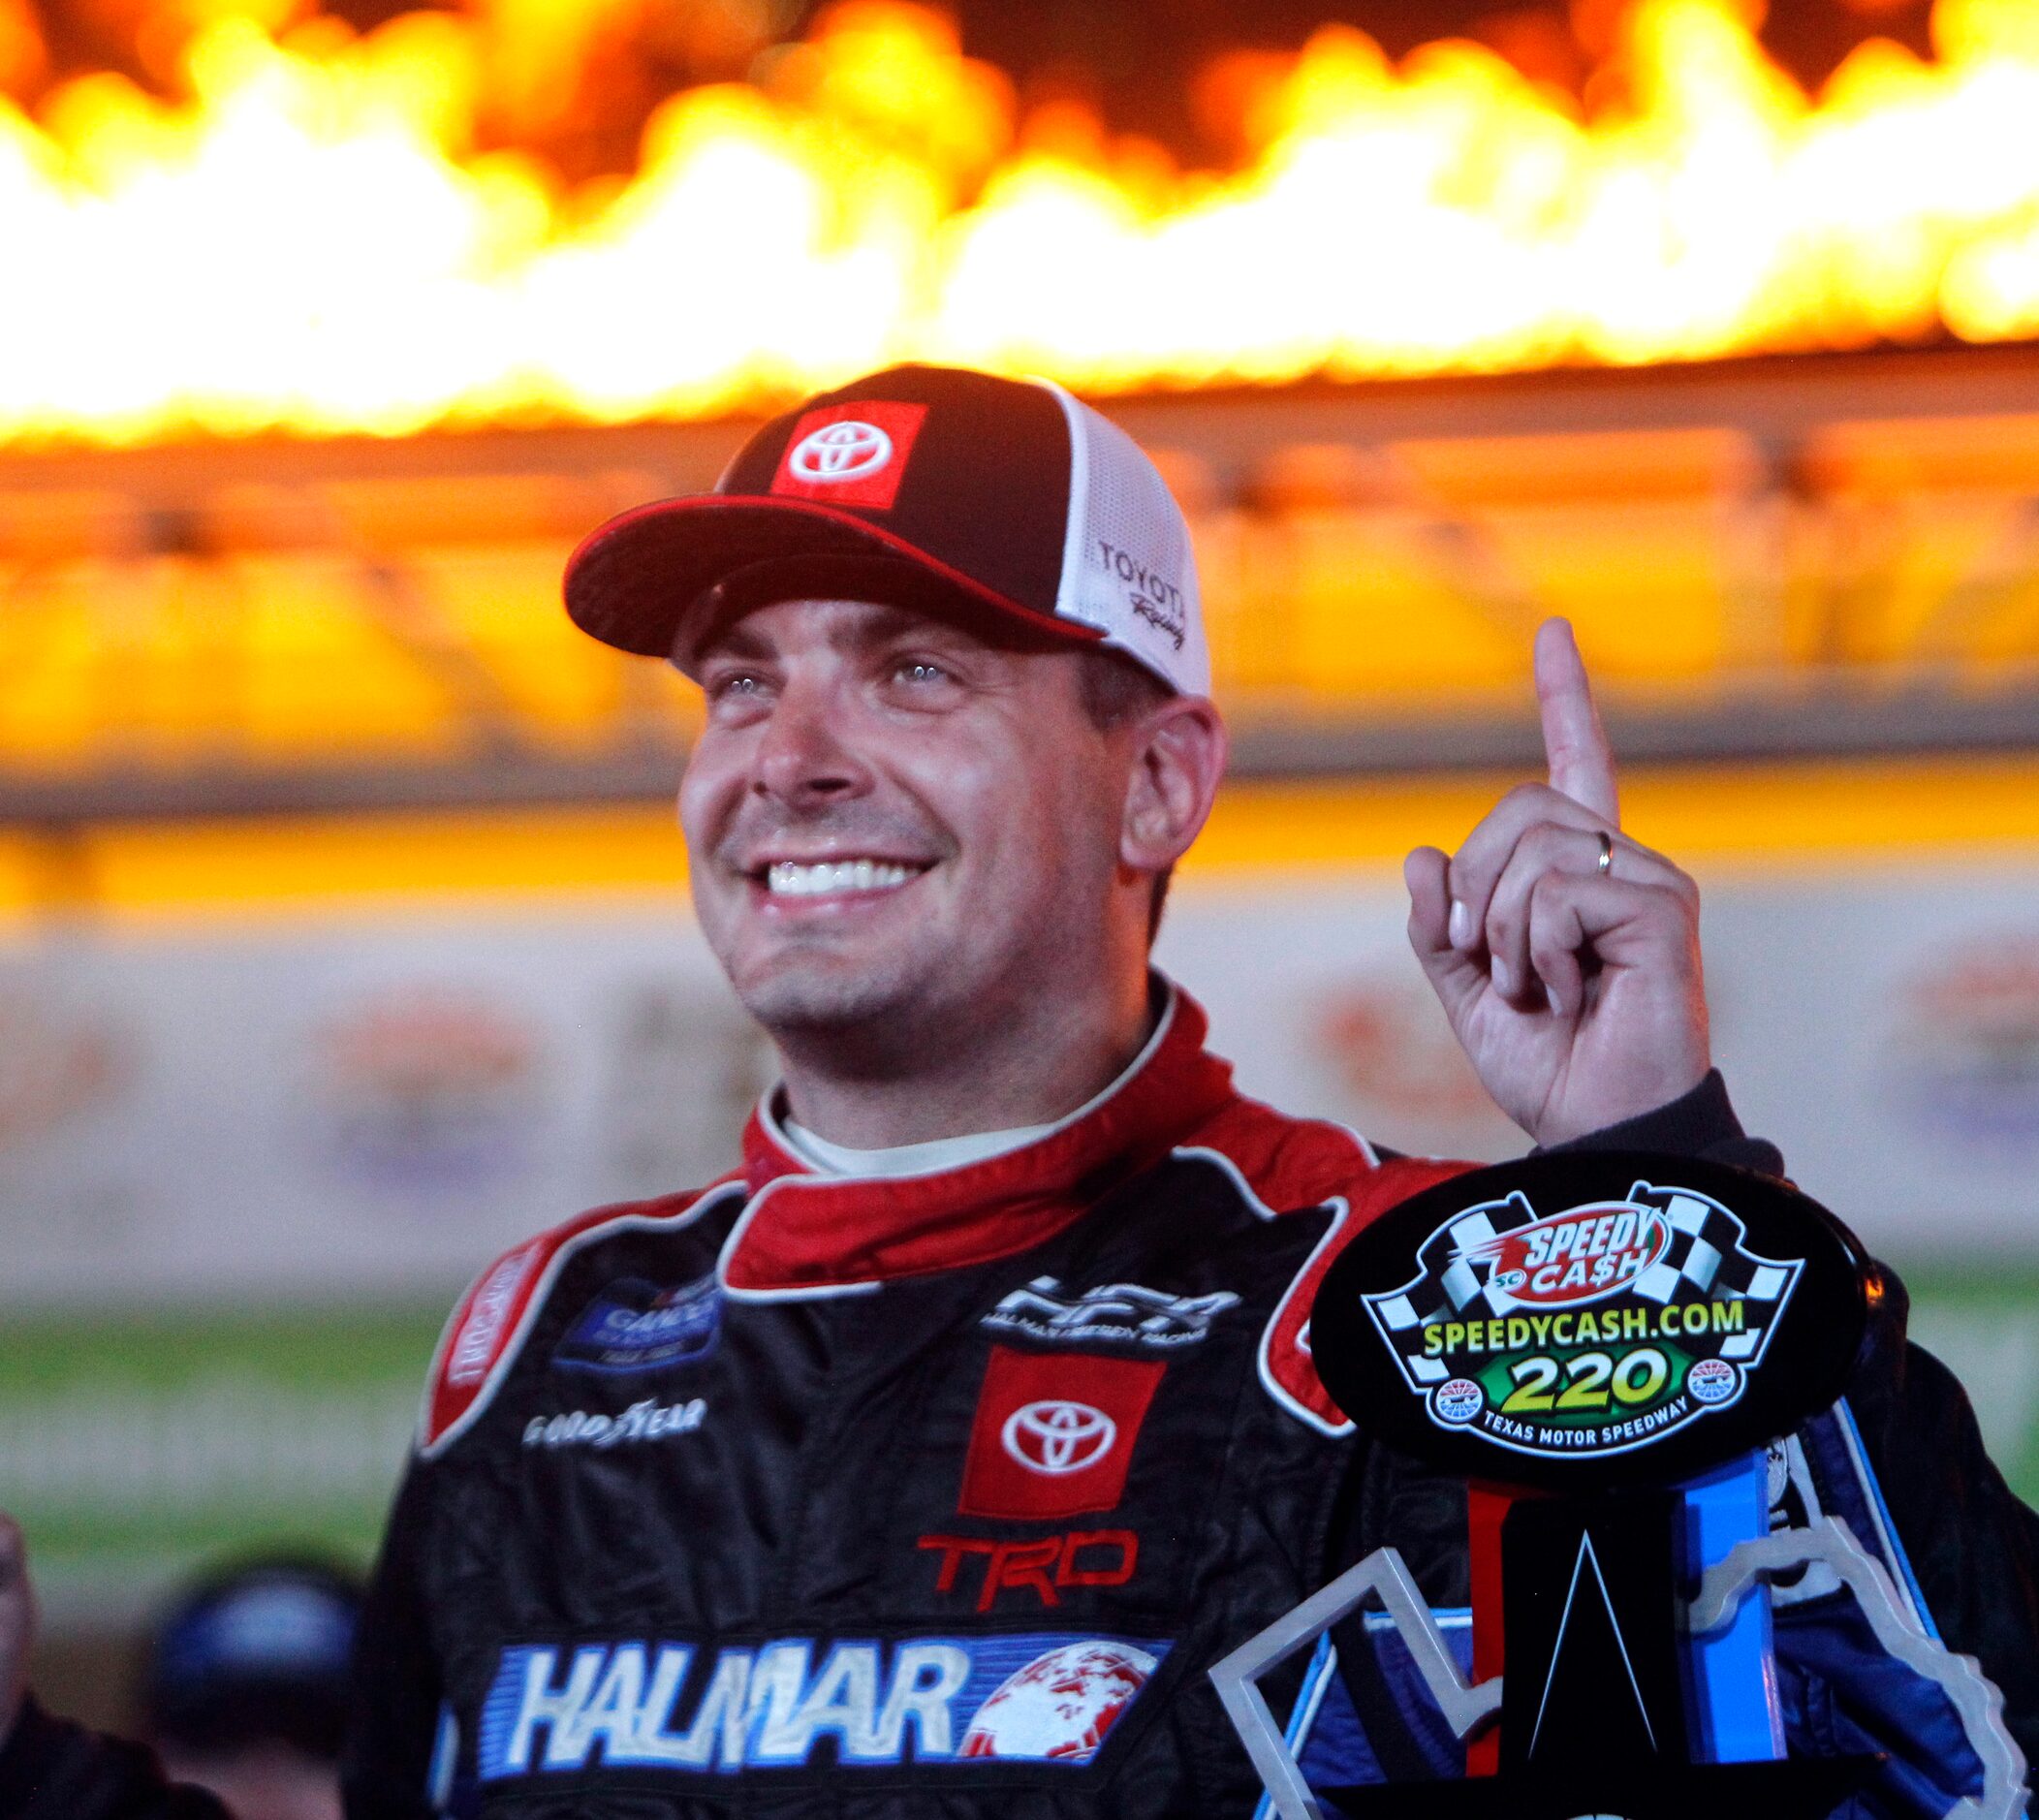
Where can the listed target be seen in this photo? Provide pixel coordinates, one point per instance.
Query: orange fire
(329, 234)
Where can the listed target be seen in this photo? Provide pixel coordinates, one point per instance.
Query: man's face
(892, 824)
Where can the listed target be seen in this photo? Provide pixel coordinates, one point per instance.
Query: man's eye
(919, 669)
(736, 686)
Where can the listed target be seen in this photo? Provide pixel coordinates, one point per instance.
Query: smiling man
(926, 1463)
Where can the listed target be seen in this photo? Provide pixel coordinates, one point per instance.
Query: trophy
(1604, 1345)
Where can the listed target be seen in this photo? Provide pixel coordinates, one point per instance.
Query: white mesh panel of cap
(1127, 567)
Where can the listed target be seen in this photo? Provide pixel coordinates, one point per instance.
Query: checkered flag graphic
(1454, 1274)
(1454, 1279)
(1705, 1251)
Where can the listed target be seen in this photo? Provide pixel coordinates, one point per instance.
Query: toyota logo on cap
(840, 452)
(1056, 1436)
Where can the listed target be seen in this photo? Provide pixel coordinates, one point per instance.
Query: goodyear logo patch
(1043, 1698)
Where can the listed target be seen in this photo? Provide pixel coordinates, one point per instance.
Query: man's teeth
(789, 879)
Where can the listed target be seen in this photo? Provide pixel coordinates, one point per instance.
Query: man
(242, 1702)
(244, 1692)
(51, 1769)
(926, 1463)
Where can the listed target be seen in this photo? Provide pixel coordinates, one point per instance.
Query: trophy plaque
(1604, 1345)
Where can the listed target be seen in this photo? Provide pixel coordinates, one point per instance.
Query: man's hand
(1573, 986)
(18, 1623)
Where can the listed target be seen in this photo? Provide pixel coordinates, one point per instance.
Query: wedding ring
(1607, 854)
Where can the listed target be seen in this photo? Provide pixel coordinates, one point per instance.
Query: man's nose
(804, 760)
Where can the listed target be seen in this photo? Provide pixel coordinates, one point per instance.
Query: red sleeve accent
(489, 1320)
(1296, 1163)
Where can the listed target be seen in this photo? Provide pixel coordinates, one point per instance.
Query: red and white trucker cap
(1004, 502)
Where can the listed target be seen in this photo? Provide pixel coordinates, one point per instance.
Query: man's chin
(805, 999)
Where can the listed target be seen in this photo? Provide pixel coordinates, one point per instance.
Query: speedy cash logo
(1038, 1698)
(1581, 1255)
(1589, 1331)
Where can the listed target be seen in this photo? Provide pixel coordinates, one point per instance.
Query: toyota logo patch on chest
(1055, 1432)
(850, 455)
(1056, 1436)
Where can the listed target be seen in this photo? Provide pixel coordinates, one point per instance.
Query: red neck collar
(805, 1232)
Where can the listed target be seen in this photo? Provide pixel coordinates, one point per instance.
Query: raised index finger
(1582, 763)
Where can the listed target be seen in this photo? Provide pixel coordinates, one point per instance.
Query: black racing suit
(938, 1496)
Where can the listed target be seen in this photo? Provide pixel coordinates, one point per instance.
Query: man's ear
(1178, 756)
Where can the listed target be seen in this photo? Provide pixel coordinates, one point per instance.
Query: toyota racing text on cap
(929, 486)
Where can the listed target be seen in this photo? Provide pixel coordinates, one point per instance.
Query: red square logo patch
(1055, 1432)
(850, 455)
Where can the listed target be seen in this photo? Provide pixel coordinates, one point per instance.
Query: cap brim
(636, 581)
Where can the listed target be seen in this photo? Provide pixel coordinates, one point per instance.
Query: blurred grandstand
(1809, 555)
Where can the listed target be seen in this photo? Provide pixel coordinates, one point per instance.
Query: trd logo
(1049, 1564)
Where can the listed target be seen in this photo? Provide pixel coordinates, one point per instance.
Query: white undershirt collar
(933, 1156)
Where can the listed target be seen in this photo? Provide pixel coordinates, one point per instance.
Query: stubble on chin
(795, 1002)
(809, 999)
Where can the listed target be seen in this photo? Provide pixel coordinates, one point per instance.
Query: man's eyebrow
(738, 640)
(881, 625)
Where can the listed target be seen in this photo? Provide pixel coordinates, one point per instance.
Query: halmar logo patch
(1589, 1331)
(706, 1710)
